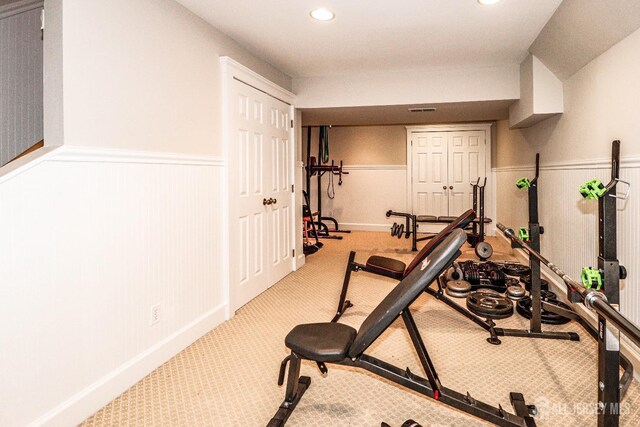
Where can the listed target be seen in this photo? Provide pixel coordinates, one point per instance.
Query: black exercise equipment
(393, 268)
(489, 304)
(408, 423)
(319, 168)
(534, 284)
(343, 345)
(307, 216)
(526, 280)
(476, 234)
(611, 387)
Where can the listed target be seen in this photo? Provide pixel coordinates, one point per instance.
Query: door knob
(274, 201)
(444, 187)
(451, 187)
(266, 202)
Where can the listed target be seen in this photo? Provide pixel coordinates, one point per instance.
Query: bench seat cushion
(321, 342)
(386, 266)
(447, 218)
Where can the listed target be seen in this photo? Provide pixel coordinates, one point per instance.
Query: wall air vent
(422, 110)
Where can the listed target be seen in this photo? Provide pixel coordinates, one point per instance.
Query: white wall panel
(90, 244)
(364, 196)
(571, 223)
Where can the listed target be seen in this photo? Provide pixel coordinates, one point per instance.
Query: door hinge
(292, 188)
(293, 253)
(292, 123)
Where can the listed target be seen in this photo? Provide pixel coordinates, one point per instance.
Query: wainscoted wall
(571, 223)
(364, 196)
(92, 240)
(21, 114)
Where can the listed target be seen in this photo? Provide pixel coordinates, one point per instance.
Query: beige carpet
(228, 377)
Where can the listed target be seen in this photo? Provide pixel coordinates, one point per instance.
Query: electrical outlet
(154, 315)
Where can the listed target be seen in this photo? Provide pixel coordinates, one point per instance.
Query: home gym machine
(319, 168)
(611, 387)
(475, 236)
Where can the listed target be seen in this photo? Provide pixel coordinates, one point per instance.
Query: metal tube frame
(429, 387)
(610, 322)
(535, 230)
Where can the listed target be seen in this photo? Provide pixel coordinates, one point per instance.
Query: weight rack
(610, 386)
(534, 232)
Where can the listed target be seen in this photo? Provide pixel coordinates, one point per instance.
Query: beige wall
(144, 75)
(601, 104)
(363, 145)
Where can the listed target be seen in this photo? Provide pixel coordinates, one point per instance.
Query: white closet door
(279, 179)
(251, 218)
(429, 173)
(466, 164)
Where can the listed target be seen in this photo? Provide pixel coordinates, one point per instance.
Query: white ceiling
(455, 112)
(379, 35)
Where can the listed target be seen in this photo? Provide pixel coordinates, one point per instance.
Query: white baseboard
(97, 395)
(300, 261)
(365, 227)
(559, 287)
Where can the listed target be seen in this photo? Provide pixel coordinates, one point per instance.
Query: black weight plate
(489, 304)
(524, 308)
(513, 269)
(544, 285)
(483, 283)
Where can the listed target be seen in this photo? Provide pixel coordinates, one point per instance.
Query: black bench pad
(386, 266)
(486, 220)
(321, 342)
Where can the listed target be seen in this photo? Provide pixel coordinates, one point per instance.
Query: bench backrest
(403, 295)
(461, 222)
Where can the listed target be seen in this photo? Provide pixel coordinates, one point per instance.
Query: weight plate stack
(514, 269)
(489, 304)
(544, 285)
(458, 288)
(524, 309)
(515, 292)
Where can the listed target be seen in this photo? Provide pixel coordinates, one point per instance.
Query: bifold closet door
(466, 163)
(444, 164)
(279, 179)
(260, 173)
(429, 173)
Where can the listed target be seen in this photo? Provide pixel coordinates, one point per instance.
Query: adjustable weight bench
(341, 344)
(394, 268)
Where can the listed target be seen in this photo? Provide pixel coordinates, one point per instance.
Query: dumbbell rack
(534, 231)
(610, 385)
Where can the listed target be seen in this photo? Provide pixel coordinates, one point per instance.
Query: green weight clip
(592, 190)
(523, 183)
(523, 234)
(591, 278)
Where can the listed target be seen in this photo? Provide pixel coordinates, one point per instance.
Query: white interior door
(279, 178)
(466, 163)
(261, 239)
(250, 190)
(429, 173)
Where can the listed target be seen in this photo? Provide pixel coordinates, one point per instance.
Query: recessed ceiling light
(488, 2)
(322, 14)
